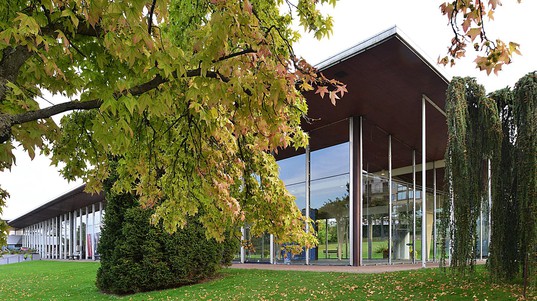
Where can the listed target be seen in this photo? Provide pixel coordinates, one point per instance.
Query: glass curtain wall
(375, 197)
(375, 218)
(293, 174)
(329, 205)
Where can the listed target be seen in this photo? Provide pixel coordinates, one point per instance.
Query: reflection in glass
(375, 218)
(257, 248)
(329, 202)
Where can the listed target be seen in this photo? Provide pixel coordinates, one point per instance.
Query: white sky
(32, 183)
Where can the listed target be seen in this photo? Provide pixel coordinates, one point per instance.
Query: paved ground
(333, 268)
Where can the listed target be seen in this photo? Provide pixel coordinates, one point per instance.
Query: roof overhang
(73, 200)
(387, 79)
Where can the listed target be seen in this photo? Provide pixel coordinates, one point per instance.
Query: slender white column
(100, 214)
(361, 205)
(93, 231)
(42, 233)
(45, 238)
(390, 238)
(60, 236)
(86, 236)
(434, 213)
(423, 187)
(414, 253)
(490, 204)
(481, 234)
(81, 242)
(243, 250)
(308, 196)
(65, 246)
(351, 192)
(70, 234)
(272, 261)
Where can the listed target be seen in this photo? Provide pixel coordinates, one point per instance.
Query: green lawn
(48, 280)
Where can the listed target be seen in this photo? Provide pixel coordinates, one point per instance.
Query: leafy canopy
(190, 98)
(468, 20)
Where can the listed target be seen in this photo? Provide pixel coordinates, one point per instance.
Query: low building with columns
(67, 227)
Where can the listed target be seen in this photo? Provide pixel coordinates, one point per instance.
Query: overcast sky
(32, 183)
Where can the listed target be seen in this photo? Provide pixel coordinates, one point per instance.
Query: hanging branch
(473, 135)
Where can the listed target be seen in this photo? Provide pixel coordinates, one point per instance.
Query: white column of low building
(243, 250)
(93, 231)
(60, 236)
(70, 235)
(75, 236)
(64, 236)
(45, 238)
(101, 213)
(38, 237)
(272, 259)
(390, 219)
(55, 237)
(423, 186)
(81, 242)
(42, 239)
(86, 236)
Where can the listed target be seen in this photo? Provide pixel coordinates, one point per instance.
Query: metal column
(414, 206)
(356, 189)
(435, 232)
(390, 219)
(308, 196)
(423, 187)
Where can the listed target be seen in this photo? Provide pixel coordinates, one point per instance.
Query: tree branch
(7, 121)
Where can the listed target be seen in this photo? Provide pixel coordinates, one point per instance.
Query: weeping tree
(474, 134)
(504, 233)
(502, 128)
(525, 113)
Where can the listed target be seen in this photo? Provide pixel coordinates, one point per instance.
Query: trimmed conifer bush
(137, 256)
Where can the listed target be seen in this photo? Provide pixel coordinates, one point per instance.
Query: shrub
(137, 256)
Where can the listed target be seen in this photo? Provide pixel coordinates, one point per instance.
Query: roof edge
(392, 32)
(55, 200)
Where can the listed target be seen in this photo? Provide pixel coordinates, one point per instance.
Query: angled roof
(386, 77)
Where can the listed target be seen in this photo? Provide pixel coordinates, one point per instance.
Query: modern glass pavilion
(372, 177)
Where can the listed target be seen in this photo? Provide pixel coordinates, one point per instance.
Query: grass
(49, 280)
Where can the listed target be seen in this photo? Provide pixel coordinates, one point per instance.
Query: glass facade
(391, 204)
(329, 202)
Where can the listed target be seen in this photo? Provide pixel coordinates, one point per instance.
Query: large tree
(191, 98)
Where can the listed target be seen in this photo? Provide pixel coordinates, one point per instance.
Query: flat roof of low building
(68, 202)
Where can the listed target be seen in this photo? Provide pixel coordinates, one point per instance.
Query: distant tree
(338, 209)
